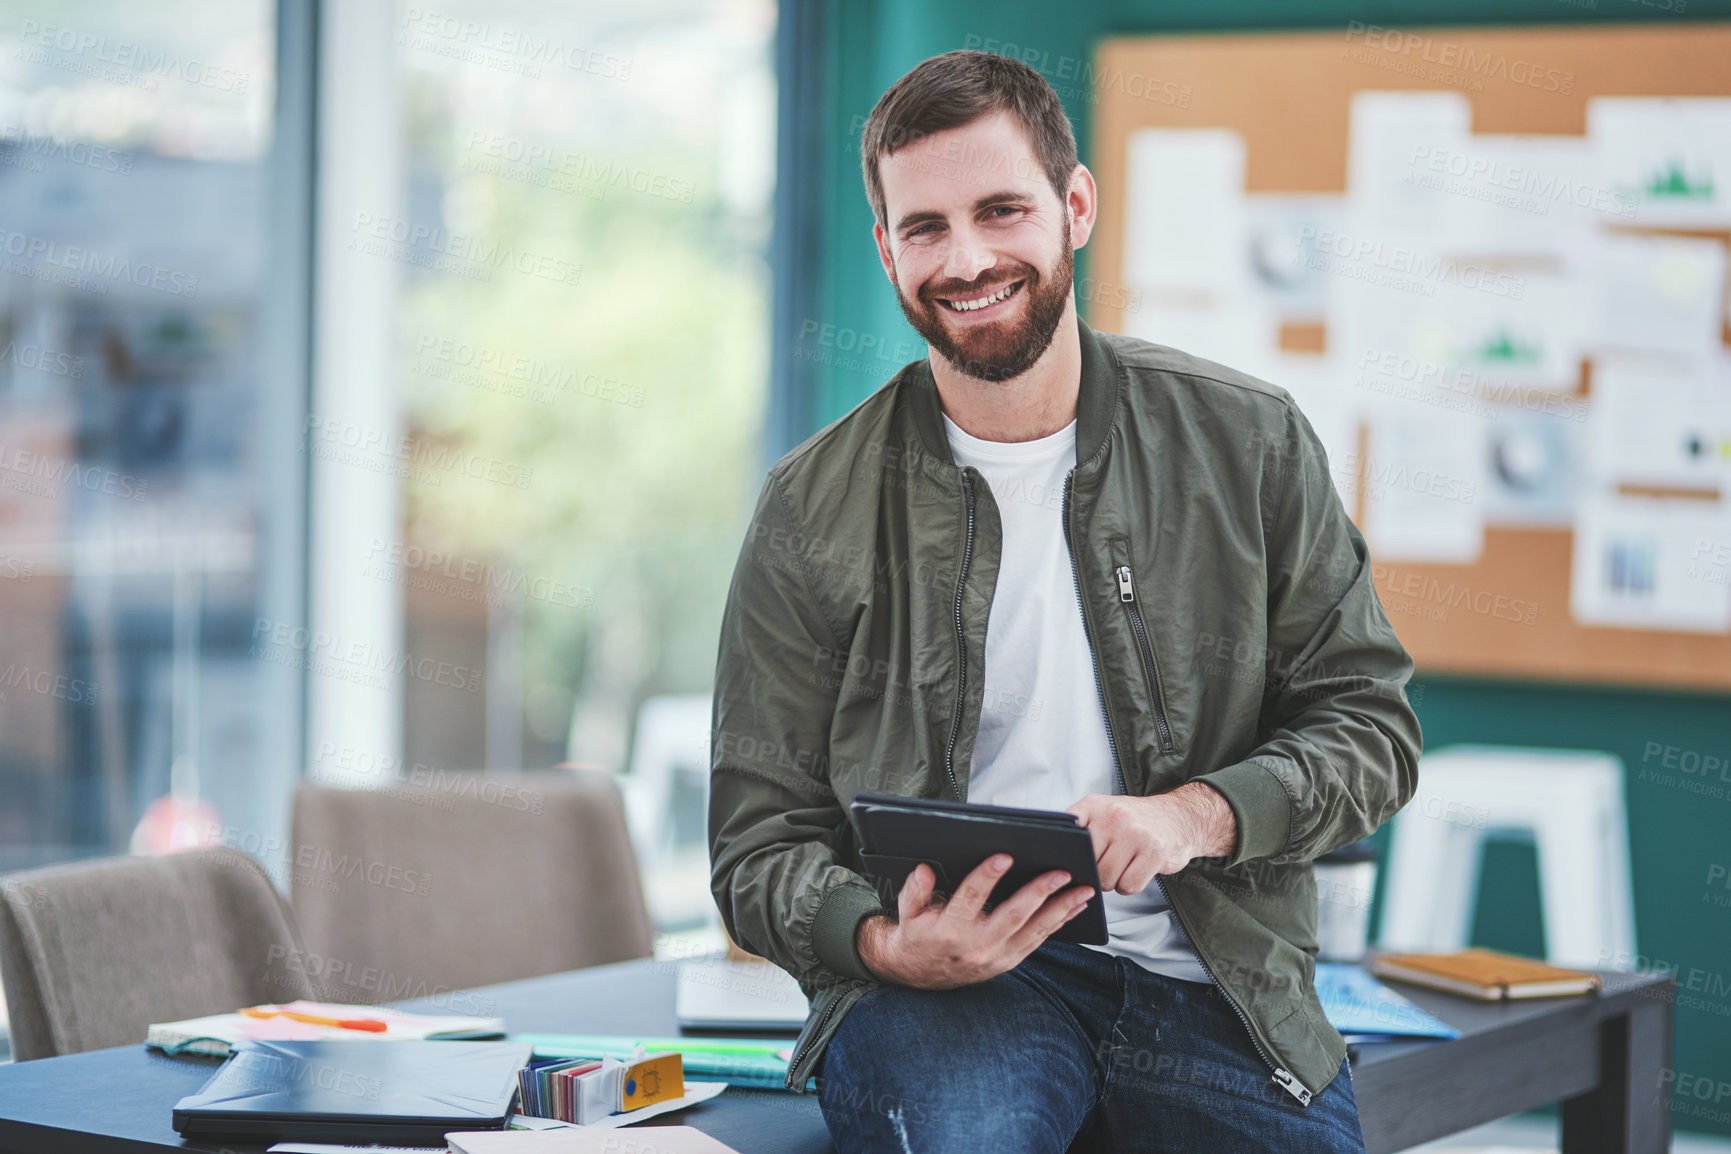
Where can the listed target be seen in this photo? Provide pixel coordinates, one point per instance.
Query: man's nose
(968, 256)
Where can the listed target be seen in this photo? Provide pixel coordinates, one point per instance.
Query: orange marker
(371, 1025)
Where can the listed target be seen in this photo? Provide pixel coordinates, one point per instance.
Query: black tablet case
(897, 833)
(390, 1093)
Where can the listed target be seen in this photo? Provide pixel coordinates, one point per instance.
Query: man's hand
(939, 945)
(1138, 837)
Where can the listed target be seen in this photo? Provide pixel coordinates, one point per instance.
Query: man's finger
(1137, 876)
(1013, 913)
(1059, 908)
(970, 897)
(916, 891)
(1113, 863)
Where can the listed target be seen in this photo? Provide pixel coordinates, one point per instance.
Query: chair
(93, 952)
(1570, 801)
(463, 880)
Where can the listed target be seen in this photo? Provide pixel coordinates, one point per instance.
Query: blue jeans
(1073, 1050)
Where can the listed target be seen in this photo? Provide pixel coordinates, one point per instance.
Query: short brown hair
(958, 88)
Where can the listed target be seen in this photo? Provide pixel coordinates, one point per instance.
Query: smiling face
(979, 245)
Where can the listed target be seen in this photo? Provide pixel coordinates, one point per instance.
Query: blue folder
(1365, 1010)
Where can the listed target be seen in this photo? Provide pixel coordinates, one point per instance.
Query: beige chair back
(463, 880)
(93, 952)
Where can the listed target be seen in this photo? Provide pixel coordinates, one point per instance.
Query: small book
(305, 1021)
(1489, 975)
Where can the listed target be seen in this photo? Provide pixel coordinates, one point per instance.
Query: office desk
(1600, 1055)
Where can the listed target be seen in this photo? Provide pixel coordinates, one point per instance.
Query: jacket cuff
(834, 925)
(1260, 804)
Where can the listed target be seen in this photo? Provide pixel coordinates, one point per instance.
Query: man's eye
(924, 228)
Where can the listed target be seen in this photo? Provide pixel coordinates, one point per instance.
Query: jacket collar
(1096, 402)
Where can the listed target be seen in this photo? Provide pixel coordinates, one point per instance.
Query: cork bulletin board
(1289, 96)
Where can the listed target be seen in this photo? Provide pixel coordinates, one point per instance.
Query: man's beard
(1002, 350)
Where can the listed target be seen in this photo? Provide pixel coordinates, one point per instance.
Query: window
(583, 358)
(136, 551)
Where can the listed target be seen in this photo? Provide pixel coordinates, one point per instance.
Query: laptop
(716, 994)
(391, 1093)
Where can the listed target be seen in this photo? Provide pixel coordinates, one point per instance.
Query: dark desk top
(118, 1101)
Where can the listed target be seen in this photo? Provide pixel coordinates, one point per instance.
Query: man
(1053, 568)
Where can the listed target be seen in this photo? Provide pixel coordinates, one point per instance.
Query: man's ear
(884, 253)
(1083, 205)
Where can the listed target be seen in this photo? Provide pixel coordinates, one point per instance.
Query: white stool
(1571, 801)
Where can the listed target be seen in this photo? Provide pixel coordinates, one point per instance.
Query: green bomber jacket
(1236, 634)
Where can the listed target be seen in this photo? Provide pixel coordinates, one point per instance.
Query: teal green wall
(1676, 835)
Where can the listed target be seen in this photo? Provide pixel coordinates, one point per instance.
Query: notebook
(392, 1093)
(898, 833)
(1489, 975)
(722, 995)
(216, 1033)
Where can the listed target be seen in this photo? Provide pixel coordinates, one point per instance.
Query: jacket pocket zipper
(1127, 594)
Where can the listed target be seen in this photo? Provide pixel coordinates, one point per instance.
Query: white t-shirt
(1042, 740)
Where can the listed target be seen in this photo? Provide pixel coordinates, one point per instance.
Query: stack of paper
(660, 1140)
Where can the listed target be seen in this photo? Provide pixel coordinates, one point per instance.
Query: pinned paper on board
(1185, 246)
(1660, 423)
(1671, 155)
(1650, 563)
(1423, 482)
(1660, 294)
(1393, 138)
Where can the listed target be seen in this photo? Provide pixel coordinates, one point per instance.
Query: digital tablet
(898, 833)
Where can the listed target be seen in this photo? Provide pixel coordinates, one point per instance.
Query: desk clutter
(314, 1072)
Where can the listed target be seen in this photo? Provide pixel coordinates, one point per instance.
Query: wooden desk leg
(1630, 1111)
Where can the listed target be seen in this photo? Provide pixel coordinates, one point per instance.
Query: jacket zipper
(949, 750)
(961, 645)
(1127, 594)
(1281, 1076)
(1088, 635)
(793, 1064)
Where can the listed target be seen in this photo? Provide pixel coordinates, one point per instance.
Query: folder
(393, 1093)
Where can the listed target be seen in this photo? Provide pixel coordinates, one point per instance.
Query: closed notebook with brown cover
(1486, 974)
